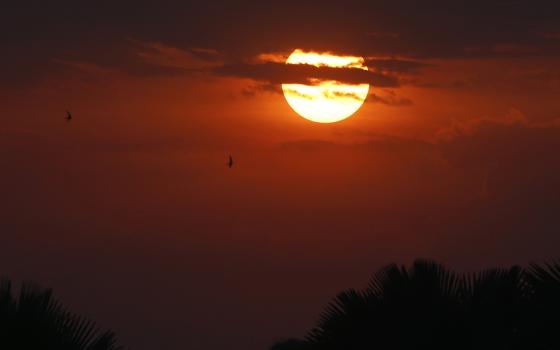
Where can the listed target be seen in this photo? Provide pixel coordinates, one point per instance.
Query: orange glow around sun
(325, 101)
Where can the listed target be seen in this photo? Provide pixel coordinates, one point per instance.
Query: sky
(131, 214)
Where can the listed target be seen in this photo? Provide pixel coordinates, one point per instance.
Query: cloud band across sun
(328, 100)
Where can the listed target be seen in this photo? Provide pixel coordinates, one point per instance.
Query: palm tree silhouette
(427, 306)
(290, 344)
(495, 306)
(545, 303)
(36, 320)
(399, 309)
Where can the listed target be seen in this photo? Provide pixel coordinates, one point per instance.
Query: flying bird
(68, 116)
(230, 162)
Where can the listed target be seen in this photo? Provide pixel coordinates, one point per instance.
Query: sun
(325, 101)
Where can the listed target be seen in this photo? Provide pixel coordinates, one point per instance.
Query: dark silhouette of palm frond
(290, 344)
(545, 280)
(427, 306)
(496, 304)
(400, 309)
(343, 322)
(36, 320)
(545, 303)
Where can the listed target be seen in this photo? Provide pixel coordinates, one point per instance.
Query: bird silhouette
(68, 116)
(230, 162)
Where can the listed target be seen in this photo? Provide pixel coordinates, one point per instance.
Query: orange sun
(325, 101)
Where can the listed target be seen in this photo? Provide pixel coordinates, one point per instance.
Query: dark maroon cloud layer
(34, 32)
(279, 73)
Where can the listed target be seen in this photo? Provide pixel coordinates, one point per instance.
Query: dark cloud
(511, 164)
(396, 66)
(500, 186)
(390, 98)
(335, 94)
(456, 84)
(300, 94)
(257, 88)
(34, 33)
(382, 72)
(512, 145)
(189, 59)
(279, 73)
(506, 159)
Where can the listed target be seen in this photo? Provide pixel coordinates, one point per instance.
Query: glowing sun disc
(325, 101)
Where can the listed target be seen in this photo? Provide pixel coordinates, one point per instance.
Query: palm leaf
(545, 303)
(400, 308)
(36, 320)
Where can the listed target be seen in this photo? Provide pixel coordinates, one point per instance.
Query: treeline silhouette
(35, 320)
(427, 306)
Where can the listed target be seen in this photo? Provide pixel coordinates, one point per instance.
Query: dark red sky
(130, 213)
